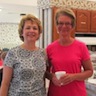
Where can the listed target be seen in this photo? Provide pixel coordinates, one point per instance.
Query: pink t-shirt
(69, 59)
(1, 63)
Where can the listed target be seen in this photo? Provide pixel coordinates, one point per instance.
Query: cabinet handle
(83, 22)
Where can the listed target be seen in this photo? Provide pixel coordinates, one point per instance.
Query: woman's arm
(7, 75)
(88, 70)
(86, 73)
(51, 76)
(48, 73)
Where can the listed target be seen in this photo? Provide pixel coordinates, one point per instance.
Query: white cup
(59, 74)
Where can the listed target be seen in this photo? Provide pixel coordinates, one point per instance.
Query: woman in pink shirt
(70, 55)
(1, 62)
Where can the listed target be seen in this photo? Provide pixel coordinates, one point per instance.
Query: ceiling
(11, 9)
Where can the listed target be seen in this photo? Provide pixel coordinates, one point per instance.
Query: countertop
(91, 87)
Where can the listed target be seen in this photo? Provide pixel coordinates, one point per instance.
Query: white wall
(10, 17)
(20, 2)
(9, 35)
(11, 13)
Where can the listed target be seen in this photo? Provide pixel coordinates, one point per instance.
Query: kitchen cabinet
(55, 35)
(83, 21)
(86, 21)
(93, 21)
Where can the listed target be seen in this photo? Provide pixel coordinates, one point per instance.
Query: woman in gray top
(25, 65)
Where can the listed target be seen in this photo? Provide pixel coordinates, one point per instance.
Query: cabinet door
(73, 31)
(83, 21)
(93, 21)
(55, 35)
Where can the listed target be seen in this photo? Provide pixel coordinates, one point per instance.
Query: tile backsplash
(87, 40)
(9, 35)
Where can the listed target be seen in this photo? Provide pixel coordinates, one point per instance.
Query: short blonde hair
(65, 11)
(26, 18)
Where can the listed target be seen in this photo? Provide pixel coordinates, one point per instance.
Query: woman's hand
(67, 78)
(55, 80)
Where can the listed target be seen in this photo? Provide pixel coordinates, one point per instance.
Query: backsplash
(87, 40)
(9, 35)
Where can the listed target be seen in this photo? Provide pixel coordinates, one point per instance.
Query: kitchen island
(91, 87)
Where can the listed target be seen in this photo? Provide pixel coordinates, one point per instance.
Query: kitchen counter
(91, 87)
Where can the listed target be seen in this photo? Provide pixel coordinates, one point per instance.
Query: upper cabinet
(93, 22)
(55, 35)
(83, 21)
(86, 21)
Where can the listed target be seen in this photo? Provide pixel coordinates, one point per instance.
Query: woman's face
(30, 31)
(64, 25)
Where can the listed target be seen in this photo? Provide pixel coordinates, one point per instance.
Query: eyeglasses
(64, 23)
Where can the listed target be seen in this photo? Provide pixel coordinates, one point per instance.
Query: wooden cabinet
(83, 21)
(86, 21)
(55, 35)
(93, 22)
